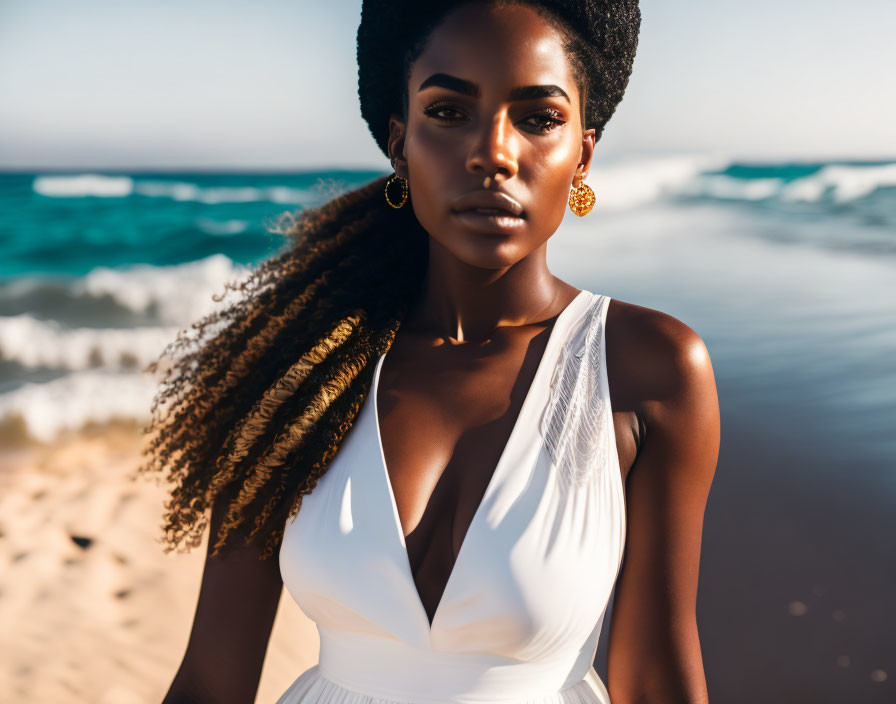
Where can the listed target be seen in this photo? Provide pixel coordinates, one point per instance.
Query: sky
(273, 84)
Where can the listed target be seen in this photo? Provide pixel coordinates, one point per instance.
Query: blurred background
(746, 185)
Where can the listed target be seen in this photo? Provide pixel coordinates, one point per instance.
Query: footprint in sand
(81, 541)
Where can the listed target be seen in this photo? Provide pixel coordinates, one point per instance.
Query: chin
(487, 251)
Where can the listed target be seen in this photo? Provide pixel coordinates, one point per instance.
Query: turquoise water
(72, 223)
(99, 270)
(69, 224)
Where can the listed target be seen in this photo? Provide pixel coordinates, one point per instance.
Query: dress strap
(574, 420)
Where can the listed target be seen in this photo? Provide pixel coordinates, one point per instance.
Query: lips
(488, 203)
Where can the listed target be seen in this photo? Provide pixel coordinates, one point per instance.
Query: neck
(463, 303)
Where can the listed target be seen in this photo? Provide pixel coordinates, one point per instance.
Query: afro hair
(392, 34)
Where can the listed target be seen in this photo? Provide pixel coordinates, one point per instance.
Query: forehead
(497, 47)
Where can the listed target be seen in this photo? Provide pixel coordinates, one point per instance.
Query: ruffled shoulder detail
(574, 423)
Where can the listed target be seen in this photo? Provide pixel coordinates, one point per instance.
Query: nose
(493, 153)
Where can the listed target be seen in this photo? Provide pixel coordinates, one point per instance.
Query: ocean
(99, 270)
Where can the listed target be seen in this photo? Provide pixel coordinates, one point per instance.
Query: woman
(495, 466)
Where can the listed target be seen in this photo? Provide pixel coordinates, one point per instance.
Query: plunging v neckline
(546, 354)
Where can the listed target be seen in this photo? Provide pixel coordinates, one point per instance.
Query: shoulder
(654, 355)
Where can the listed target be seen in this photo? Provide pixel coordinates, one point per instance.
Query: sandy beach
(92, 609)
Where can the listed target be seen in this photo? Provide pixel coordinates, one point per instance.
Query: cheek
(437, 175)
(549, 174)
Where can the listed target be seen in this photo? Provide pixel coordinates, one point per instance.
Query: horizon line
(363, 168)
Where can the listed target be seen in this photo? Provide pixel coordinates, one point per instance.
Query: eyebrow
(459, 85)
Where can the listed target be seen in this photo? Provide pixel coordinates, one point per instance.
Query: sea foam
(176, 294)
(46, 344)
(84, 185)
(74, 401)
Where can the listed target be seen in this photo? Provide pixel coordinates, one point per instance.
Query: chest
(445, 417)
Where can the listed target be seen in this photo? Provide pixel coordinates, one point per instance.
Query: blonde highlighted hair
(255, 400)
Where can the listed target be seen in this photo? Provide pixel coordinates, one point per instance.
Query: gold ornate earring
(581, 200)
(402, 181)
(404, 190)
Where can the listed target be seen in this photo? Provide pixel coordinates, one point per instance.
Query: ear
(588, 142)
(397, 131)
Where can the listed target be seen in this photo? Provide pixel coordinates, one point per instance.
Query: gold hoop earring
(581, 200)
(404, 190)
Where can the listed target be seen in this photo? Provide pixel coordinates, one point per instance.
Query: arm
(238, 601)
(654, 649)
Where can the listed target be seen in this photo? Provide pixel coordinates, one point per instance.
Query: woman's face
(493, 109)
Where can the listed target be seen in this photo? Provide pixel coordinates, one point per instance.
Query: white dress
(522, 611)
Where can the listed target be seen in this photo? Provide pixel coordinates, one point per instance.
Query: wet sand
(795, 601)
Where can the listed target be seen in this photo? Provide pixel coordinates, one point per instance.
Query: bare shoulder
(654, 355)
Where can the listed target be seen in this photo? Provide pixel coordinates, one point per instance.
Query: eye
(547, 120)
(438, 109)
